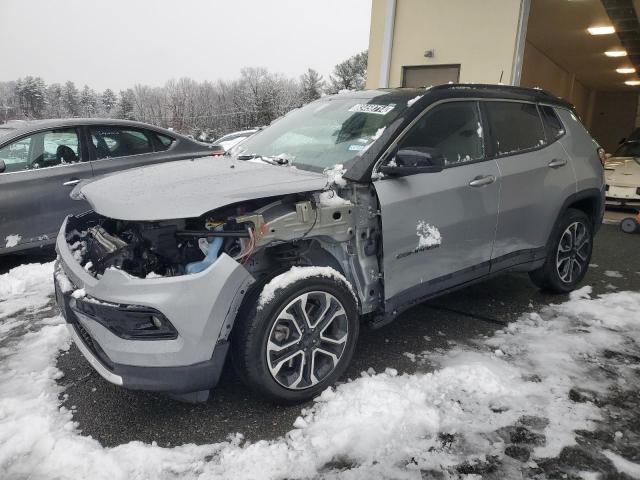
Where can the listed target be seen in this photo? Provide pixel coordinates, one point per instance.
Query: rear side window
(552, 124)
(112, 142)
(164, 141)
(515, 127)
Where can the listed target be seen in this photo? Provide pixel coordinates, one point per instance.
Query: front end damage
(152, 304)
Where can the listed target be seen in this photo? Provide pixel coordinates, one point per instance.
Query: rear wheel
(568, 254)
(298, 342)
(629, 225)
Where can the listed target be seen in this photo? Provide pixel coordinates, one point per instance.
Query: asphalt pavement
(114, 415)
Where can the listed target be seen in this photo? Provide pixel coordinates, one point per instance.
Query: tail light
(216, 153)
(602, 156)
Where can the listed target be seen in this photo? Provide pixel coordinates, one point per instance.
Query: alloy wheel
(573, 252)
(307, 340)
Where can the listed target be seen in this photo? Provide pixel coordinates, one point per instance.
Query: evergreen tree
(311, 84)
(126, 104)
(70, 99)
(350, 74)
(55, 108)
(109, 100)
(88, 102)
(31, 96)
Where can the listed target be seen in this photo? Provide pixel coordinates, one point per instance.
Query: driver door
(439, 228)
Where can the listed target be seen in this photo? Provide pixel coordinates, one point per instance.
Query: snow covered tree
(70, 99)
(108, 100)
(350, 74)
(88, 102)
(126, 104)
(55, 107)
(31, 95)
(311, 84)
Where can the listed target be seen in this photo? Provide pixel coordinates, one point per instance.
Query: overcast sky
(118, 43)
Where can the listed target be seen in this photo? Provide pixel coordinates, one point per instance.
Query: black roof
(457, 90)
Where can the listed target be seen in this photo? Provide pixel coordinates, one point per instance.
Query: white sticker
(356, 148)
(372, 108)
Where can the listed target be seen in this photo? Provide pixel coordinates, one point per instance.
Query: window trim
(94, 152)
(494, 154)
(394, 145)
(83, 159)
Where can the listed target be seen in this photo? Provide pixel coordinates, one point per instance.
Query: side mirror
(410, 161)
(3, 166)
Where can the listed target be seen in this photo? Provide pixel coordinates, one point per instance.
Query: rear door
(536, 178)
(438, 228)
(42, 169)
(116, 147)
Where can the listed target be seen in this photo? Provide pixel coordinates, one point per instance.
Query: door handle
(557, 162)
(72, 181)
(482, 181)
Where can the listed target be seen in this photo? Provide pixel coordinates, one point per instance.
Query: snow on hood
(190, 188)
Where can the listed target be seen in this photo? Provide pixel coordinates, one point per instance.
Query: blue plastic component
(212, 254)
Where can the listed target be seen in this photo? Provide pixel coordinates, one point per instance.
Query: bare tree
(350, 74)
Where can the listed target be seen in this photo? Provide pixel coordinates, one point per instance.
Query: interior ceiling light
(633, 83)
(626, 70)
(604, 30)
(615, 53)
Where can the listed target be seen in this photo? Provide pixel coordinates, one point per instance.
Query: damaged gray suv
(346, 211)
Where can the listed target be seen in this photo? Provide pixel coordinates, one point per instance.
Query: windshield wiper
(269, 160)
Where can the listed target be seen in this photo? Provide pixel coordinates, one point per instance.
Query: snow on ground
(454, 422)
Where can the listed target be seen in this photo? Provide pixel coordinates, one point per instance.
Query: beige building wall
(538, 70)
(478, 35)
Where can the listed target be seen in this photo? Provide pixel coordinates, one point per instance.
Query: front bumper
(201, 307)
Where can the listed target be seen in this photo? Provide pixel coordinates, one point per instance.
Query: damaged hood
(190, 188)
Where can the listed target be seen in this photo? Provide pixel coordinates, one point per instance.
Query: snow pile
(613, 274)
(34, 279)
(12, 240)
(377, 426)
(295, 274)
(428, 235)
(334, 175)
(330, 198)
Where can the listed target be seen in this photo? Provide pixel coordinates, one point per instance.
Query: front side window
(112, 142)
(324, 133)
(453, 130)
(515, 127)
(41, 150)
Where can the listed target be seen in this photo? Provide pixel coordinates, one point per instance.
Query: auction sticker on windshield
(372, 108)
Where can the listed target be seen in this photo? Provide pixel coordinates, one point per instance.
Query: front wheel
(568, 256)
(297, 340)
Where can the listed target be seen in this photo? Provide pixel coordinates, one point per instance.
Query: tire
(629, 225)
(286, 358)
(568, 254)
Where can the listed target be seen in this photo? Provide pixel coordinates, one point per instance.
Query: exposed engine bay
(338, 229)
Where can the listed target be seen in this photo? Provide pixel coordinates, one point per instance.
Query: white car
(622, 175)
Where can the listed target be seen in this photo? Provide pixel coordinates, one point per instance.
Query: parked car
(41, 161)
(352, 208)
(230, 140)
(622, 175)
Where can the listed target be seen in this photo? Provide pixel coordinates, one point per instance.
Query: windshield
(324, 133)
(630, 149)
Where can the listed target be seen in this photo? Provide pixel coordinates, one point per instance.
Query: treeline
(205, 110)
